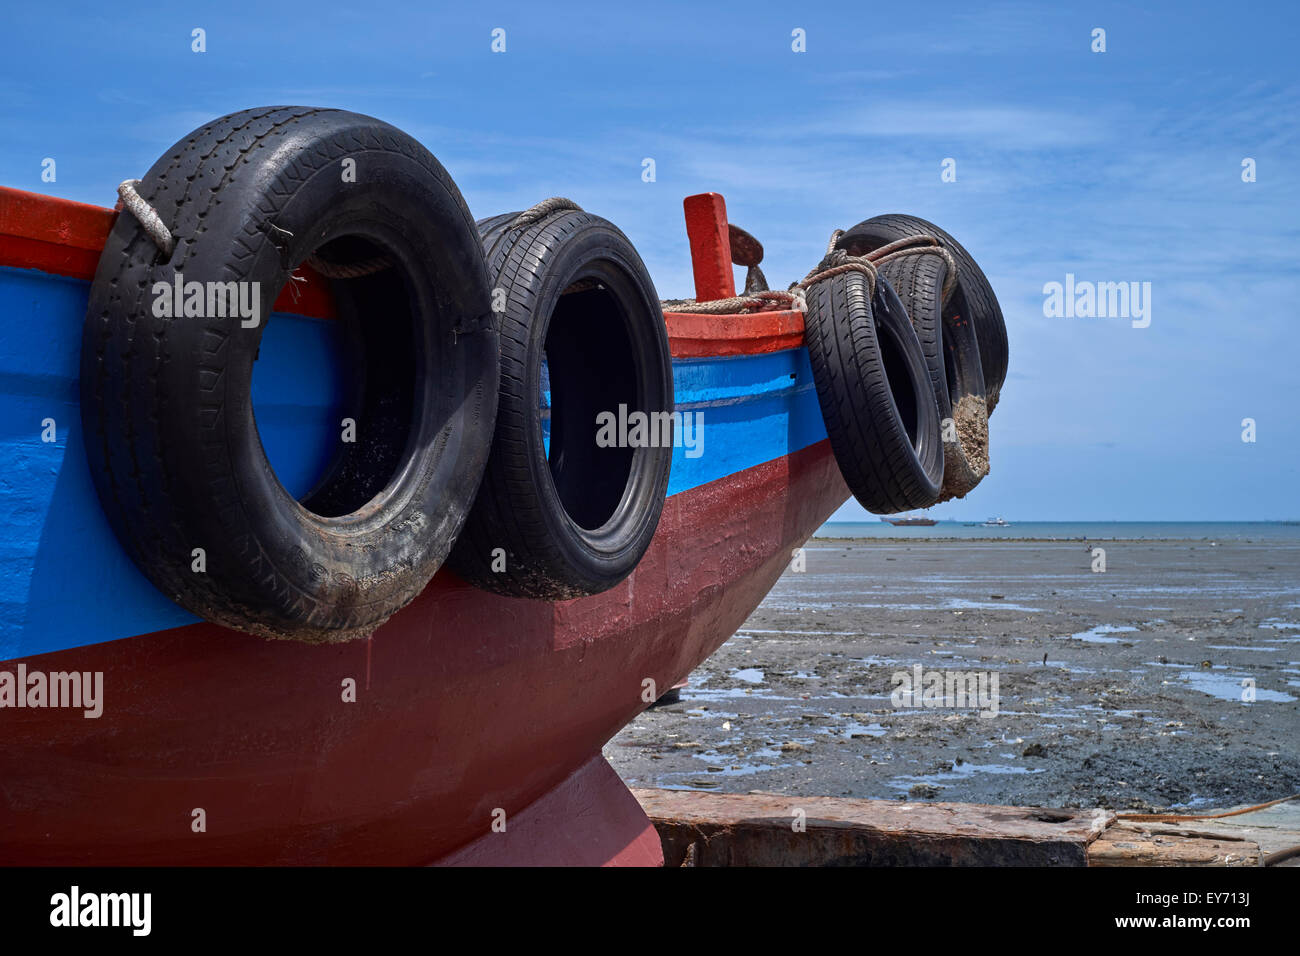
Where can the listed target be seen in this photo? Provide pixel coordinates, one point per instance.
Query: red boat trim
(693, 335)
(53, 235)
(65, 238)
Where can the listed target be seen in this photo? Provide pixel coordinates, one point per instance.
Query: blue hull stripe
(65, 581)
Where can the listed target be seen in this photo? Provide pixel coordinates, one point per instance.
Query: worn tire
(577, 521)
(973, 298)
(952, 356)
(166, 408)
(875, 393)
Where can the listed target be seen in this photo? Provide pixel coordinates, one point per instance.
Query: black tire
(575, 293)
(973, 297)
(952, 356)
(875, 393)
(166, 409)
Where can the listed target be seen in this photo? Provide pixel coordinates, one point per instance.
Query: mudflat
(1170, 680)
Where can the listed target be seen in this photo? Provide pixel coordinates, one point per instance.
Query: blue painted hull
(64, 580)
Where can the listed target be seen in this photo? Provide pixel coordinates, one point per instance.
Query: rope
(919, 246)
(582, 285)
(1273, 859)
(836, 262)
(1182, 817)
(148, 218)
(543, 209)
(754, 302)
(351, 270)
(155, 229)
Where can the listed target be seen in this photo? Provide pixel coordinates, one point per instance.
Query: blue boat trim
(64, 580)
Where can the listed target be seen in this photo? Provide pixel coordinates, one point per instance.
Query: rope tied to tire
(147, 216)
(312, 580)
(349, 270)
(908, 246)
(541, 210)
(836, 262)
(162, 237)
(964, 416)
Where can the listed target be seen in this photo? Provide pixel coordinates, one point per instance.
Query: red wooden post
(706, 226)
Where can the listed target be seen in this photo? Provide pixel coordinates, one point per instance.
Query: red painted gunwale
(65, 238)
(693, 335)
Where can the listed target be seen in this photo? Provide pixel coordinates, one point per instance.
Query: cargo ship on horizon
(910, 521)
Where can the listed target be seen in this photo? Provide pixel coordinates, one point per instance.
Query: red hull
(466, 703)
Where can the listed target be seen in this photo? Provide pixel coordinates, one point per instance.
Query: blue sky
(1116, 166)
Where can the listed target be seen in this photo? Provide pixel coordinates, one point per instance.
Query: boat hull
(467, 704)
(467, 729)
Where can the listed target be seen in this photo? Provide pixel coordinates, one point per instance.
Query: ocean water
(1076, 530)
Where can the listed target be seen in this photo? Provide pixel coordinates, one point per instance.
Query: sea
(1278, 531)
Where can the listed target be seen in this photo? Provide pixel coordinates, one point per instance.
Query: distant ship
(910, 521)
(997, 523)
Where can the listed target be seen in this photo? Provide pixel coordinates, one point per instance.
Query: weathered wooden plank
(721, 829)
(1136, 845)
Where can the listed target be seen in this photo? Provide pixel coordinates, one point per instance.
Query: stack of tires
(480, 356)
(908, 367)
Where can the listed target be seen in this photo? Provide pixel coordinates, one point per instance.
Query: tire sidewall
(597, 250)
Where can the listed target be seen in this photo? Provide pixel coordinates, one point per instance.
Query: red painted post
(706, 226)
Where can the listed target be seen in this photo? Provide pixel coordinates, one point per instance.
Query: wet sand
(1138, 706)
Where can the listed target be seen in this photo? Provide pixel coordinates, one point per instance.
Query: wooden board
(1129, 844)
(722, 829)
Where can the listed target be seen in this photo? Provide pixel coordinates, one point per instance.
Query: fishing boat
(150, 720)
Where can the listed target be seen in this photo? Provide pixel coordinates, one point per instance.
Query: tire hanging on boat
(875, 393)
(165, 402)
(564, 511)
(952, 356)
(973, 298)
